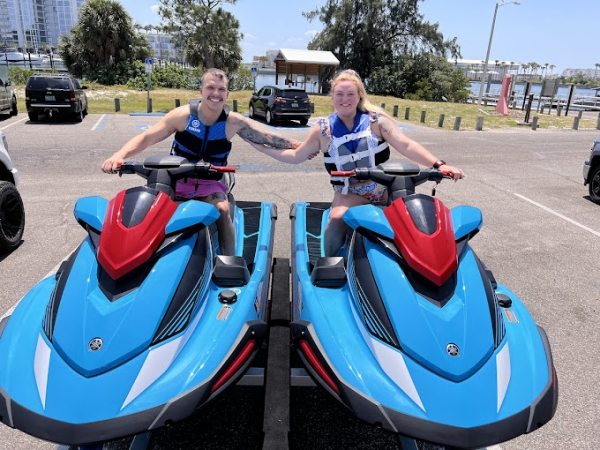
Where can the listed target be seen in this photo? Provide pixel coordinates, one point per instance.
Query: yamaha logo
(452, 350)
(195, 123)
(95, 344)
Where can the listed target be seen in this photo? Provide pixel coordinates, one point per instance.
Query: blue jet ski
(146, 321)
(408, 329)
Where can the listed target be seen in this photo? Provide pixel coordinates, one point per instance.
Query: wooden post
(423, 114)
(177, 103)
(235, 105)
(457, 123)
(479, 124)
(534, 123)
(576, 123)
(395, 110)
(117, 104)
(571, 92)
(383, 106)
(598, 122)
(407, 114)
(441, 121)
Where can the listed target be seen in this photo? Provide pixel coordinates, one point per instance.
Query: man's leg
(335, 231)
(224, 224)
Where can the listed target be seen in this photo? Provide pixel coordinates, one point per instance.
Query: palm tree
(546, 69)
(552, 67)
(525, 67)
(596, 71)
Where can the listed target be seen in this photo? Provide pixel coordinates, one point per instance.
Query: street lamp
(487, 56)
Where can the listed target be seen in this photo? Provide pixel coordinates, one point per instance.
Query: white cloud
(272, 44)
(154, 8)
(249, 36)
(311, 33)
(294, 40)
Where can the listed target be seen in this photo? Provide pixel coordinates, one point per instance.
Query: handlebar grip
(126, 168)
(222, 169)
(342, 173)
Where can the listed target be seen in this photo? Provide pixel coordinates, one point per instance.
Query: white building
(36, 24)
(472, 67)
(592, 73)
(162, 47)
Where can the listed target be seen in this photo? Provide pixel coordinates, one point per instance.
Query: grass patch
(101, 100)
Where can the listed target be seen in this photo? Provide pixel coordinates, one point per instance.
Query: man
(203, 132)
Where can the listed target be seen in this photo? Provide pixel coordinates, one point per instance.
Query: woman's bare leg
(335, 231)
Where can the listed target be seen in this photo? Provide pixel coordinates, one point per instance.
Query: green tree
(104, 36)
(210, 36)
(369, 34)
(241, 80)
(420, 77)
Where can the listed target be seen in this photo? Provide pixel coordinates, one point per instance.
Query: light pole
(487, 56)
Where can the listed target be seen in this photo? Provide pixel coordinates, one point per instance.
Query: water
(536, 88)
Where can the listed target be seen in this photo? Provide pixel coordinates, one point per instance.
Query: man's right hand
(112, 164)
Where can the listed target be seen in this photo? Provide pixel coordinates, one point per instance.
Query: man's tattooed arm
(251, 131)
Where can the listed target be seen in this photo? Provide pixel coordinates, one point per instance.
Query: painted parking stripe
(142, 127)
(101, 122)
(545, 208)
(14, 123)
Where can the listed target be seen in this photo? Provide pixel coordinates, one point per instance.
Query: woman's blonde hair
(364, 104)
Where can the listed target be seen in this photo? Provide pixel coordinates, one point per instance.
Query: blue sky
(565, 34)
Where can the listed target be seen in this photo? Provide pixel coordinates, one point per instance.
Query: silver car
(8, 99)
(12, 212)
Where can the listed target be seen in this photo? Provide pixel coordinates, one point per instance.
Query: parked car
(52, 94)
(591, 172)
(277, 103)
(8, 99)
(12, 213)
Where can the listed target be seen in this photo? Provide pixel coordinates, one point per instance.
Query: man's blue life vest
(199, 142)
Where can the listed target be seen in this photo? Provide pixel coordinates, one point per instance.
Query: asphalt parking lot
(541, 238)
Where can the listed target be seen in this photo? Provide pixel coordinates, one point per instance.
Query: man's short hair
(215, 73)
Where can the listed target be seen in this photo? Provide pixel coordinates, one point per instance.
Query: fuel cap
(227, 296)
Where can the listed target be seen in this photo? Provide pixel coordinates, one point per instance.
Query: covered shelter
(300, 66)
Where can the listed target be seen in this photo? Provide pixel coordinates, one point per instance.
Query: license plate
(294, 105)
(50, 98)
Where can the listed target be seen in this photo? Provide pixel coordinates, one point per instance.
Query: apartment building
(36, 24)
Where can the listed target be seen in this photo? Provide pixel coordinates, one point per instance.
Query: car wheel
(79, 115)
(303, 121)
(251, 111)
(33, 116)
(269, 117)
(594, 185)
(12, 217)
(14, 109)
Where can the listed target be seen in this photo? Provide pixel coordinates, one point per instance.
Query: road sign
(254, 72)
(148, 66)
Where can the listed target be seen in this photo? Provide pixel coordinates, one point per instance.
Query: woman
(356, 135)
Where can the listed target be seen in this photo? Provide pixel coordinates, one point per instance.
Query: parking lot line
(14, 123)
(545, 208)
(100, 122)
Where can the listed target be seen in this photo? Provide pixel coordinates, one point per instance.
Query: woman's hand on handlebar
(452, 172)
(112, 164)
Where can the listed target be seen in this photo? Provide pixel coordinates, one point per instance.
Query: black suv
(275, 103)
(591, 172)
(52, 94)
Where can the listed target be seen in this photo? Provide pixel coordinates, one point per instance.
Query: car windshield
(48, 83)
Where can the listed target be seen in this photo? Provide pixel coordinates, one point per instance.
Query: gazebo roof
(323, 58)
